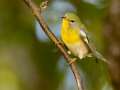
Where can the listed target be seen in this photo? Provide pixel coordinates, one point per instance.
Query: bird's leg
(72, 61)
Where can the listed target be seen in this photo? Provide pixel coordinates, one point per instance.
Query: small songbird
(76, 38)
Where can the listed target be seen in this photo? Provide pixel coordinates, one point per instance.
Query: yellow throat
(69, 34)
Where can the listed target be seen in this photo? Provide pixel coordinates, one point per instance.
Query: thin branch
(36, 12)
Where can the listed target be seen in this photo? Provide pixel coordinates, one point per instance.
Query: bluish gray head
(74, 18)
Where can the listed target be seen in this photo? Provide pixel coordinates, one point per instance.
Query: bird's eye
(72, 21)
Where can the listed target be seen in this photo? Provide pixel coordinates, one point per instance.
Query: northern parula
(76, 38)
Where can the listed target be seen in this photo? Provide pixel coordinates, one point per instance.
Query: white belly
(78, 49)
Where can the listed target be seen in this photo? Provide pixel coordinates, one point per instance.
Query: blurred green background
(30, 61)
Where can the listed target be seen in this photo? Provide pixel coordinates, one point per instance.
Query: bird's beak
(62, 17)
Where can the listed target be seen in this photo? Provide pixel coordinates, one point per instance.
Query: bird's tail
(99, 56)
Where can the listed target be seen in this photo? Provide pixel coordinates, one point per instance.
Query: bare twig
(36, 12)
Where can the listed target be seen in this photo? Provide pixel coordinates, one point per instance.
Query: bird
(77, 39)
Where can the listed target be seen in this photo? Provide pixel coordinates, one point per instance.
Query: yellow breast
(70, 36)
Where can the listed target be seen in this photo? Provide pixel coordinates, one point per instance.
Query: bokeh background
(30, 61)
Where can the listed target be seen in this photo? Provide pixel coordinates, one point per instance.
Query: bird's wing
(86, 37)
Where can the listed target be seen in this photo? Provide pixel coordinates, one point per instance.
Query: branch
(37, 14)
